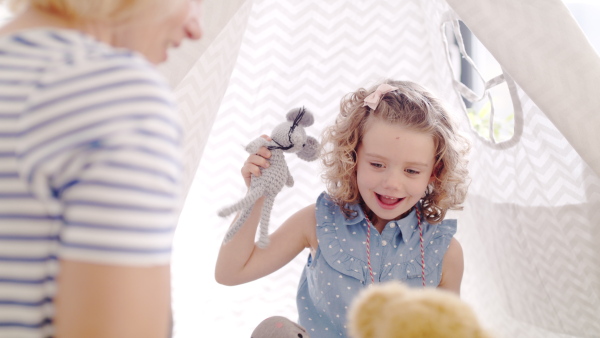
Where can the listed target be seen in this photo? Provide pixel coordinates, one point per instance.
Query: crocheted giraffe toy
(288, 137)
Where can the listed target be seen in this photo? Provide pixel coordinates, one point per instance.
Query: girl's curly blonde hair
(411, 106)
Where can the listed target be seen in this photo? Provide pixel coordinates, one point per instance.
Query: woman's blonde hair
(411, 106)
(88, 10)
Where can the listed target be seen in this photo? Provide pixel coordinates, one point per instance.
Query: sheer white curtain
(530, 224)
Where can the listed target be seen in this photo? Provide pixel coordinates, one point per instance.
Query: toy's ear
(367, 310)
(310, 150)
(307, 119)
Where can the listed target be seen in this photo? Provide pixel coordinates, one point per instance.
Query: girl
(394, 164)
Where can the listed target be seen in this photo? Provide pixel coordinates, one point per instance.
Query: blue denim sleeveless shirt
(338, 270)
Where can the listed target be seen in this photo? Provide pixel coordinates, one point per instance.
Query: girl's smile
(387, 202)
(394, 166)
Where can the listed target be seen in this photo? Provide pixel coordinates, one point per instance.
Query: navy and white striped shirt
(90, 166)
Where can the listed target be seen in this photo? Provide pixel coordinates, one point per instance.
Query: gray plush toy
(279, 327)
(288, 137)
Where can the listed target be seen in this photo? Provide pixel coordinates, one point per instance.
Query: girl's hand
(255, 162)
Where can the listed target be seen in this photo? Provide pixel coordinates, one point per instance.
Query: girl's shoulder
(327, 211)
(327, 206)
(446, 227)
(324, 201)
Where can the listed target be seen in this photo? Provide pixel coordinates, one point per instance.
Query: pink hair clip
(373, 100)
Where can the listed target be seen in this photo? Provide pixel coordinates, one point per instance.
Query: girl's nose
(392, 180)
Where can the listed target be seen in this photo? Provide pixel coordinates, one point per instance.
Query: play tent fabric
(539, 199)
(528, 229)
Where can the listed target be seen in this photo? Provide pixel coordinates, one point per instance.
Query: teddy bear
(393, 310)
(289, 137)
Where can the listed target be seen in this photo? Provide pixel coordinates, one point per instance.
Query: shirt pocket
(411, 273)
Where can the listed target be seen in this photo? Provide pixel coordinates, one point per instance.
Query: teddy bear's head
(392, 310)
(291, 137)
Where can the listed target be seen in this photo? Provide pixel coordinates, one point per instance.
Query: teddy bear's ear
(307, 119)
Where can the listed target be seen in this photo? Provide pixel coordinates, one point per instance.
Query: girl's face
(158, 29)
(394, 167)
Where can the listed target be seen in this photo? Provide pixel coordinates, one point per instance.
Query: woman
(90, 166)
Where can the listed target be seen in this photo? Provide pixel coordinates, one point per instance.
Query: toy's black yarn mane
(290, 132)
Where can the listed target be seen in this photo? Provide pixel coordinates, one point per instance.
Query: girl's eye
(376, 165)
(412, 172)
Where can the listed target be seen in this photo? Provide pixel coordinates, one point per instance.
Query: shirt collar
(408, 225)
(360, 215)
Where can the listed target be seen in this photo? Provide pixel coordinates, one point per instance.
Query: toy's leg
(244, 203)
(265, 216)
(279, 327)
(233, 229)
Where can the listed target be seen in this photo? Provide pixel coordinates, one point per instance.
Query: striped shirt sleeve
(101, 146)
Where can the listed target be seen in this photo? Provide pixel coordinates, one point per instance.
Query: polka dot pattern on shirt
(338, 270)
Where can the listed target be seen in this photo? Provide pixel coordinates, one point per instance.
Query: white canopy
(530, 225)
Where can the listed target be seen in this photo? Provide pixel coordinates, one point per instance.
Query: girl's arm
(240, 260)
(452, 267)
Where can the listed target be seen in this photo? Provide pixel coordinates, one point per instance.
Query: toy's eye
(303, 145)
(299, 335)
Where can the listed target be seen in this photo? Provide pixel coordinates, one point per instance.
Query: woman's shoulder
(71, 55)
(88, 54)
(73, 62)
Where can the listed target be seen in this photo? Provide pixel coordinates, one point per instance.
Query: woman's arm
(96, 300)
(452, 267)
(240, 260)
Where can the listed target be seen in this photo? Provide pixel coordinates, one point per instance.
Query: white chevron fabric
(293, 53)
(530, 243)
(218, 15)
(200, 72)
(539, 43)
(534, 208)
(528, 229)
